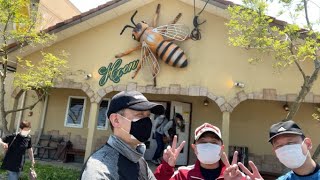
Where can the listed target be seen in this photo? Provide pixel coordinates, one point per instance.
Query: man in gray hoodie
(122, 156)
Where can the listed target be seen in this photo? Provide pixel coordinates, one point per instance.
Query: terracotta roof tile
(91, 11)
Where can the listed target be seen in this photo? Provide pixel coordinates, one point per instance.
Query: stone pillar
(225, 131)
(13, 115)
(92, 126)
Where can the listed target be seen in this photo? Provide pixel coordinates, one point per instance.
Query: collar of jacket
(195, 173)
(124, 149)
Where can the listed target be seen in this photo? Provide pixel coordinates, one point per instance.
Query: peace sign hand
(170, 155)
(232, 171)
(255, 175)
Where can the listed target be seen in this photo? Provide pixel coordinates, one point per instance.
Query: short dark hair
(178, 115)
(25, 124)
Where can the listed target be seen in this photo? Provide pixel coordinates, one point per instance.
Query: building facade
(203, 91)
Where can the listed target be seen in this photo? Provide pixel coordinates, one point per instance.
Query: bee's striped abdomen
(171, 54)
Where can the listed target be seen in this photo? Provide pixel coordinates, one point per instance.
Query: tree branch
(300, 69)
(305, 89)
(28, 107)
(297, 64)
(305, 4)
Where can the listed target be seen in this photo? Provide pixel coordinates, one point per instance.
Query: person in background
(159, 125)
(16, 146)
(170, 129)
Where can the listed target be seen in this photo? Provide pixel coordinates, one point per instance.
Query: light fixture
(239, 84)
(88, 76)
(286, 107)
(206, 102)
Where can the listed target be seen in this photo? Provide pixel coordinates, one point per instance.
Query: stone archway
(68, 84)
(266, 94)
(173, 89)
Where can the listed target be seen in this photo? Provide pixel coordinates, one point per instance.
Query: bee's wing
(149, 61)
(177, 32)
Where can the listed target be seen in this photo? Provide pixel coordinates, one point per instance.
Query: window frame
(107, 119)
(66, 124)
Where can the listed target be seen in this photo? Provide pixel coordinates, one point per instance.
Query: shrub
(49, 172)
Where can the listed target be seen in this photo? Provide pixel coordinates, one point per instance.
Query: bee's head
(137, 28)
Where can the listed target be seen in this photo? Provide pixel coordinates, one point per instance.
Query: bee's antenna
(133, 17)
(125, 27)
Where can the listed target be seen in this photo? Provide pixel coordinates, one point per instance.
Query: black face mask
(141, 129)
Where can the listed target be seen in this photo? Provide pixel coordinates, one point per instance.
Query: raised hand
(5, 146)
(254, 175)
(232, 171)
(170, 155)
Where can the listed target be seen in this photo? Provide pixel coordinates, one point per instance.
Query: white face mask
(24, 133)
(208, 153)
(291, 155)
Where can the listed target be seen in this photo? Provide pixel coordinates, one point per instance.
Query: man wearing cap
(292, 149)
(208, 148)
(122, 156)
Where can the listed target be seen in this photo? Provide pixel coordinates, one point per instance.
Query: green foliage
(42, 75)
(49, 172)
(251, 28)
(288, 44)
(20, 25)
(24, 25)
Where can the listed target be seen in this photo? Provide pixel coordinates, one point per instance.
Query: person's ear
(221, 150)
(273, 149)
(113, 118)
(308, 143)
(194, 149)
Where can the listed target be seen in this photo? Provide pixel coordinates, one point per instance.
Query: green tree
(19, 26)
(289, 44)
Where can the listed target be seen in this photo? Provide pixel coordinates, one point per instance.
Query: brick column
(225, 130)
(92, 126)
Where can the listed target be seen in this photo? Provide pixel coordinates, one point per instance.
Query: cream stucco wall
(56, 11)
(56, 112)
(212, 62)
(251, 120)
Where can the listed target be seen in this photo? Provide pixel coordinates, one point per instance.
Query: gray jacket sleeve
(95, 170)
(151, 175)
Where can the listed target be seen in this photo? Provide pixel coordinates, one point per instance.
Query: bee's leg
(156, 16)
(154, 81)
(177, 18)
(137, 70)
(128, 51)
(154, 74)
